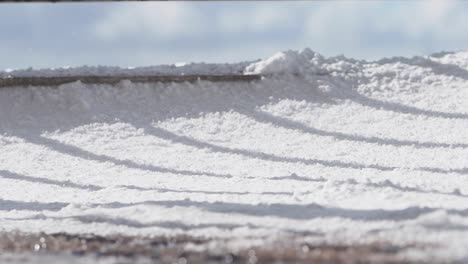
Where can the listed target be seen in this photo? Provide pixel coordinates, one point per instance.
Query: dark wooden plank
(78, 1)
(59, 1)
(54, 81)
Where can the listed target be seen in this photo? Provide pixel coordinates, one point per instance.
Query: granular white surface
(333, 148)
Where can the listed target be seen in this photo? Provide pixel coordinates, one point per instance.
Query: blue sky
(138, 34)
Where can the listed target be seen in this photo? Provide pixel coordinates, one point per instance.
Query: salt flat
(332, 149)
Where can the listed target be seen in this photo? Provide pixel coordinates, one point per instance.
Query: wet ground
(61, 247)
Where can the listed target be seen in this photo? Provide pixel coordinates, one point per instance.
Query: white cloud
(387, 28)
(170, 20)
(435, 11)
(260, 17)
(162, 20)
(339, 25)
(410, 18)
(421, 18)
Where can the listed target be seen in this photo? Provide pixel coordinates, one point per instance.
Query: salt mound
(304, 63)
(459, 58)
(295, 62)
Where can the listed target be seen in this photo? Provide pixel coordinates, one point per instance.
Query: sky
(151, 33)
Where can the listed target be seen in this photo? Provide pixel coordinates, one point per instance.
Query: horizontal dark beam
(77, 1)
(53, 81)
